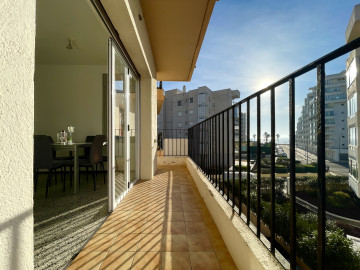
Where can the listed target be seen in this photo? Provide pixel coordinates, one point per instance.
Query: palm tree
(278, 136)
(266, 136)
(254, 136)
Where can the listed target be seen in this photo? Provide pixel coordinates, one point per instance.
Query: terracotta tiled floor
(161, 224)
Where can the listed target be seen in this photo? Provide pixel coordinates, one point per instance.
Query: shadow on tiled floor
(161, 224)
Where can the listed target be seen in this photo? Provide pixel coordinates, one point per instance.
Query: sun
(264, 82)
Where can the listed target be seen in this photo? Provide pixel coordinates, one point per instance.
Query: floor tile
(100, 242)
(87, 261)
(204, 261)
(175, 242)
(125, 242)
(118, 260)
(175, 261)
(151, 242)
(157, 227)
(195, 227)
(132, 226)
(176, 227)
(199, 242)
(111, 226)
(138, 215)
(147, 260)
(193, 216)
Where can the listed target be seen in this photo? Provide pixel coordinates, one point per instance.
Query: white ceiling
(57, 21)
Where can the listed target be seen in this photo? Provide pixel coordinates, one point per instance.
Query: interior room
(70, 90)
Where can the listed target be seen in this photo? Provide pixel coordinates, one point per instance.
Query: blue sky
(250, 44)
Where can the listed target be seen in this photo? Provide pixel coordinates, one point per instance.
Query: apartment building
(353, 87)
(336, 140)
(182, 109)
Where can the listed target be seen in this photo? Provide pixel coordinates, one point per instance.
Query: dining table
(74, 149)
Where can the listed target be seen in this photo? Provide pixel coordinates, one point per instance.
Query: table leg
(76, 170)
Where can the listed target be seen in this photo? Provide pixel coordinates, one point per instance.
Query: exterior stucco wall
(17, 51)
(148, 129)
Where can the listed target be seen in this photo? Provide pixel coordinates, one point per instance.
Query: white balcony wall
(17, 58)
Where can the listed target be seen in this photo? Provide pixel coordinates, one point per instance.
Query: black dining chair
(95, 156)
(86, 155)
(44, 159)
(66, 158)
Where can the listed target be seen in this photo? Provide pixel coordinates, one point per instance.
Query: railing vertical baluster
(216, 152)
(228, 155)
(292, 174)
(207, 147)
(223, 152)
(233, 151)
(258, 162)
(181, 139)
(210, 150)
(272, 194)
(201, 147)
(248, 161)
(320, 114)
(239, 151)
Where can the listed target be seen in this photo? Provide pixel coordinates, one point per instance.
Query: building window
(353, 140)
(329, 113)
(352, 105)
(191, 100)
(202, 110)
(179, 103)
(179, 113)
(351, 73)
(201, 98)
(190, 111)
(329, 121)
(335, 97)
(191, 123)
(179, 125)
(353, 169)
(329, 105)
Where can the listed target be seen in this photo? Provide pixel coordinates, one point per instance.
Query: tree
(254, 136)
(266, 136)
(278, 136)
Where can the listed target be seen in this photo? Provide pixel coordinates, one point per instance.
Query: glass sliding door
(122, 100)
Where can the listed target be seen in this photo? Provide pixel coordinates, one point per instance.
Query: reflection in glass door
(122, 100)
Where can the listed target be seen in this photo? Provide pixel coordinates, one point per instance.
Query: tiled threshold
(161, 224)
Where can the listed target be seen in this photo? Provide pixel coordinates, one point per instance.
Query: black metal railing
(216, 144)
(172, 142)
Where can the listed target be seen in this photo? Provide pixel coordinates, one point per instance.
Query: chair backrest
(87, 149)
(43, 154)
(52, 141)
(96, 149)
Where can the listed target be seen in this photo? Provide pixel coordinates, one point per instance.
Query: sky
(251, 44)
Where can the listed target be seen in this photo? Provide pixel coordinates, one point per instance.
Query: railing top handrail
(322, 60)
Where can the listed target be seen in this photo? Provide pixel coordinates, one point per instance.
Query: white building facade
(336, 139)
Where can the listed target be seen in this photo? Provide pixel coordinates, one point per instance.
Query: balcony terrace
(162, 223)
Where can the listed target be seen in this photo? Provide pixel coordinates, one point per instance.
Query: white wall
(69, 95)
(17, 43)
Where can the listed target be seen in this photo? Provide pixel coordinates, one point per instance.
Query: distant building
(336, 139)
(353, 87)
(182, 110)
